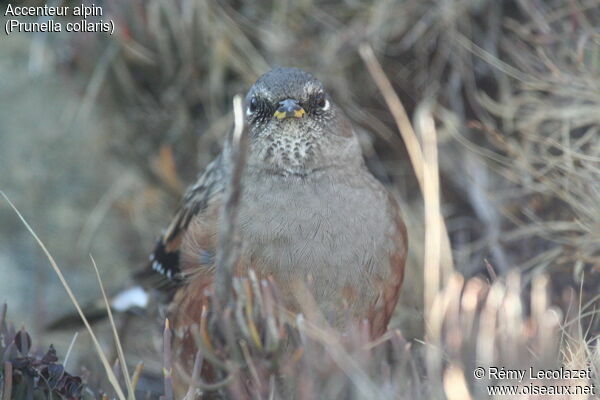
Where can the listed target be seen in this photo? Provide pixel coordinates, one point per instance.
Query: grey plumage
(310, 210)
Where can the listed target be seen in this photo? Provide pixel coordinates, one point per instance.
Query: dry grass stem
(117, 340)
(229, 245)
(418, 162)
(107, 368)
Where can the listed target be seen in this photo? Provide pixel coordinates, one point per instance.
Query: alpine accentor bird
(309, 211)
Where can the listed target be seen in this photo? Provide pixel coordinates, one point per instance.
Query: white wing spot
(132, 297)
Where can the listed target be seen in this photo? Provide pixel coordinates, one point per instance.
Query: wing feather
(165, 259)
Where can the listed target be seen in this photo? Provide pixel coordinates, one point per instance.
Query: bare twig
(139, 368)
(229, 244)
(8, 377)
(3, 312)
(191, 393)
(251, 366)
(167, 362)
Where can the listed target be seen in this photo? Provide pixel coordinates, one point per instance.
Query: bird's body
(336, 230)
(310, 213)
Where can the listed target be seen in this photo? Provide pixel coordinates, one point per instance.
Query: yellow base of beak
(287, 114)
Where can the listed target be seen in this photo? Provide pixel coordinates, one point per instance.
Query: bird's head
(295, 126)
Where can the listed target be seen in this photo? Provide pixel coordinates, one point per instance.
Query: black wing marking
(165, 262)
(165, 257)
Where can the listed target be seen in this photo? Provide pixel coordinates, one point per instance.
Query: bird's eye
(322, 101)
(252, 106)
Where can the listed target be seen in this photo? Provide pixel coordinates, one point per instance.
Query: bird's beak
(289, 108)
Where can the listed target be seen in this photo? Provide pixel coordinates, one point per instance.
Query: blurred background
(100, 134)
